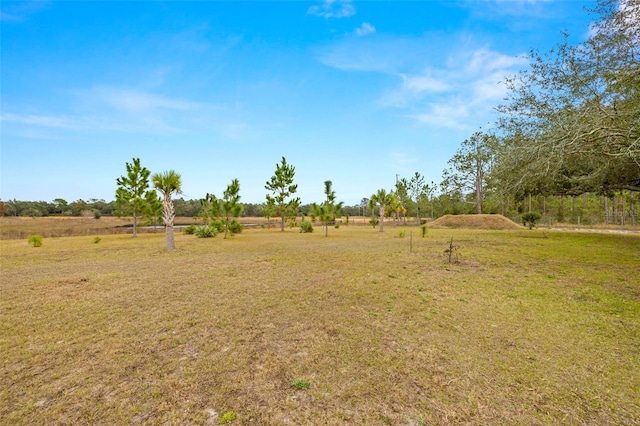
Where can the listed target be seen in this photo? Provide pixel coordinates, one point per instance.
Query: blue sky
(349, 91)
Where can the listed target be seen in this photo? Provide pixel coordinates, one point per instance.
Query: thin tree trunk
(478, 183)
(135, 224)
(382, 218)
(168, 214)
(168, 237)
(282, 223)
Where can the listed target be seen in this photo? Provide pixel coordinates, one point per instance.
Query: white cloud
(451, 113)
(364, 29)
(414, 88)
(487, 60)
(19, 11)
(109, 109)
(423, 83)
(39, 120)
(133, 101)
(383, 53)
(462, 93)
(333, 9)
(440, 82)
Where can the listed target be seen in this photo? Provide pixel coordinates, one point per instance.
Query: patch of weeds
(401, 234)
(420, 288)
(300, 385)
(35, 240)
(227, 417)
(392, 276)
(96, 240)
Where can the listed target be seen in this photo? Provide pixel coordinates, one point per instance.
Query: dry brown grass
(12, 227)
(524, 330)
(474, 221)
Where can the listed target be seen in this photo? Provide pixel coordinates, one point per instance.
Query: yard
(361, 327)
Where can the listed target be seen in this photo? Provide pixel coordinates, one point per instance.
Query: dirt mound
(474, 221)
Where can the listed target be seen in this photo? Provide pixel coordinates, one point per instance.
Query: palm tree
(383, 199)
(167, 183)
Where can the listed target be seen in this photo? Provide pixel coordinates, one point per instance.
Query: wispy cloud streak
(333, 9)
(364, 29)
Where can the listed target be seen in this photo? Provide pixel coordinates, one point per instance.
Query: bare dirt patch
(474, 221)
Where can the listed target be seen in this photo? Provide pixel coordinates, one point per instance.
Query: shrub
(35, 240)
(374, 221)
(217, 225)
(337, 225)
(235, 227)
(306, 226)
(190, 230)
(227, 417)
(530, 219)
(96, 240)
(424, 230)
(206, 231)
(97, 214)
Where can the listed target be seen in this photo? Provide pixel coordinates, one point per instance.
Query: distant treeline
(98, 207)
(586, 209)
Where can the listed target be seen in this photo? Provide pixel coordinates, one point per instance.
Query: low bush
(306, 226)
(190, 230)
(235, 227)
(35, 240)
(530, 219)
(217, 225)
(206, 231)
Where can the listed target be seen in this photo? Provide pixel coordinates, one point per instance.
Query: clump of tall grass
(35, 240)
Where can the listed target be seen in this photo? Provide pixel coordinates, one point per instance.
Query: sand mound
(474, 221)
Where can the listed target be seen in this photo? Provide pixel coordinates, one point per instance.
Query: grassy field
(12, 227)
(529, 327)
